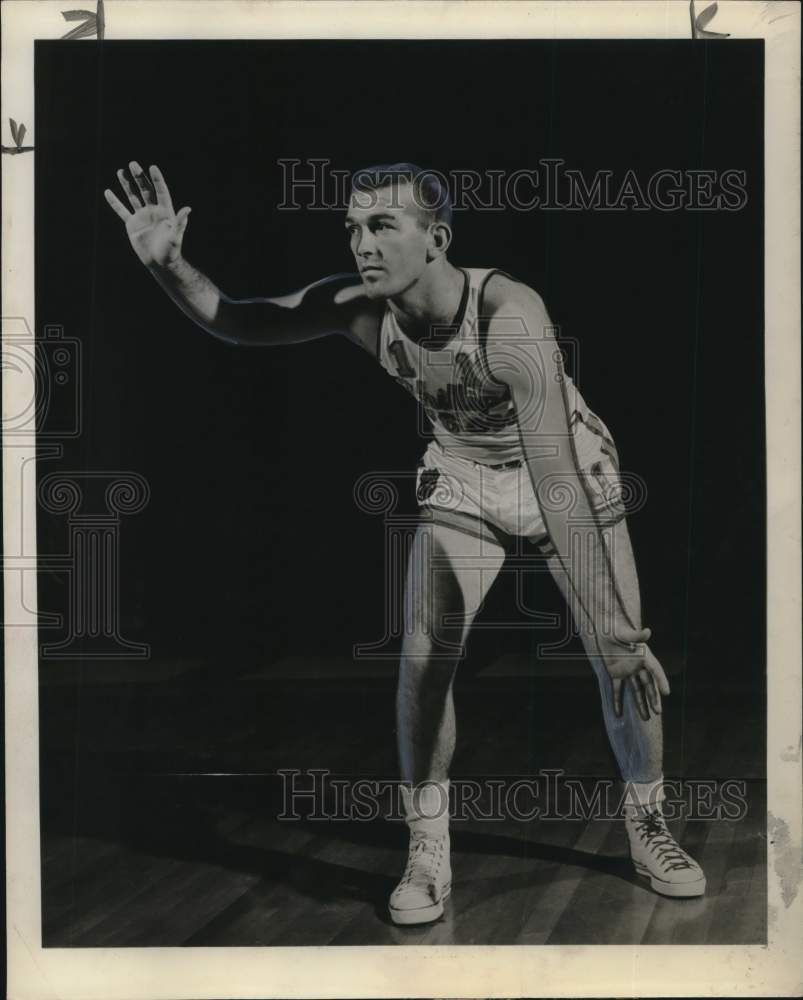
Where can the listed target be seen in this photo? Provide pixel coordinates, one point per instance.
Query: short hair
(430, 193)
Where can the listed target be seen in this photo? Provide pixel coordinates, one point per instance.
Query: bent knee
(427, 663)
(435, 645)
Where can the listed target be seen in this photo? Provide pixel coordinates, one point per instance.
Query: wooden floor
(147, 845)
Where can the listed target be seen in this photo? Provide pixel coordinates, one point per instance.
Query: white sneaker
(657, 855)
(427, 879)
(426, 883)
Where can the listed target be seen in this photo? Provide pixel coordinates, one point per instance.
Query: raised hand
(155, 230)
(629, 658)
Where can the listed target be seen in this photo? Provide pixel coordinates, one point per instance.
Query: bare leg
(448, 576)
(637, 745)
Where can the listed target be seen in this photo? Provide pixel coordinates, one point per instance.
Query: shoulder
(505, 298)
(514, 331)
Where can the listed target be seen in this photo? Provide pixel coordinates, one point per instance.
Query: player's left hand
(628, 658)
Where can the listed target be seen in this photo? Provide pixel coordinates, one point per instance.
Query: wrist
(610, 635)
(169, 268)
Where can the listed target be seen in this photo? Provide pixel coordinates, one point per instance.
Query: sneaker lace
(652, 829)
(424, 858)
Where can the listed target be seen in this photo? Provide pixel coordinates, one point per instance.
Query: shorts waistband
(515, 463)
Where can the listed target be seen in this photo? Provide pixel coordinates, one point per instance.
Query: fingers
(182, 217)
(617, 684)
(131, 194)
(640, 698)
(657, 673)
(651, 682)
(162, 192)
(651, 690)
(644, 674)
(147, 189)
(117, 205)
(143, 183)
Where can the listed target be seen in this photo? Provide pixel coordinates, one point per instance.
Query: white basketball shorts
(498, 503)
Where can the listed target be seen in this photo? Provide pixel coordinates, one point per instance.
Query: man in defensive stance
(516, 453)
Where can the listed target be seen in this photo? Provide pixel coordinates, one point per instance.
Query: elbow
(235, 322)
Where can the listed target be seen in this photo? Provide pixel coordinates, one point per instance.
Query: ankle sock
(643, 796)
(426, 807)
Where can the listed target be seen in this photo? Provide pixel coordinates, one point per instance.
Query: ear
(440, 236)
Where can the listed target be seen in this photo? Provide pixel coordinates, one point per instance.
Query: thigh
(449, 574)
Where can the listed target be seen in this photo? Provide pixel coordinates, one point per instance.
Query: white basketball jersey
(472, 415)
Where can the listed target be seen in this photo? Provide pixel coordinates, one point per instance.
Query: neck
(432, 300)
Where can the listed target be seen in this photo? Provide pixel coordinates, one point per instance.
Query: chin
(375, 289)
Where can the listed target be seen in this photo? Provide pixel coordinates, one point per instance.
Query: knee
(434, 642)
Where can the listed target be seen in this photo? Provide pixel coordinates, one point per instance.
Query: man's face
(387, 239)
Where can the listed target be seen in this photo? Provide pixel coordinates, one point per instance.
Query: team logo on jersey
(469, 402)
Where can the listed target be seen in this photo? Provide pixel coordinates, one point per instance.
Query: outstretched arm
(523, 353)
(156, 232)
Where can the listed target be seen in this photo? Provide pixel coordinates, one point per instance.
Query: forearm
(156, 232)
(603, 574)
(191, 290)
(256, 321)
(597, 561)
(306, 314)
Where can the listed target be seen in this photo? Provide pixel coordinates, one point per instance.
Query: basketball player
(516, 454)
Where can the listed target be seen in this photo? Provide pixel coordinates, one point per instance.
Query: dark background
(251, 549)
(251, 573)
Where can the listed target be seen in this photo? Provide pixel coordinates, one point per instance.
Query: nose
(365, 243)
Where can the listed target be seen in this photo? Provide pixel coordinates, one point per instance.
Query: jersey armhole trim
(457, 322)
(483, 321)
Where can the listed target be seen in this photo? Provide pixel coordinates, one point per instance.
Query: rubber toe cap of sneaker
(412, 898)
